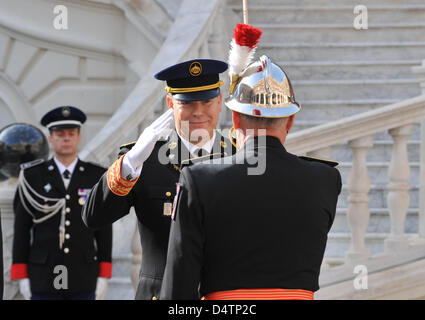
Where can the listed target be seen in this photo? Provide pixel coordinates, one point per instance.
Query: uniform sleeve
(334, 196)
(185, 248)
(1, 262)
(103, 238)
(110, 199)
(21, 240)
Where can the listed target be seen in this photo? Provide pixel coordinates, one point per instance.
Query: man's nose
(197, 108)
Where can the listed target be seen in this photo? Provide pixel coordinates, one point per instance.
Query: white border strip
(57, 123)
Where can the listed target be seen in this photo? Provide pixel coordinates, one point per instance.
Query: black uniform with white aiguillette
(36, 251)
(51, 245)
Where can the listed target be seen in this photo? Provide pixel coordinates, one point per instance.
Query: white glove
(24, 288)
(146, 142)
(101, 287)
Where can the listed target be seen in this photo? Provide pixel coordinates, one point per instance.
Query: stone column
(358, 201)
(7, 192)
(398, 188)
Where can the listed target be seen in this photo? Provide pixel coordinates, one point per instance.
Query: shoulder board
(128, 145)
(30, 164)
(328, 162)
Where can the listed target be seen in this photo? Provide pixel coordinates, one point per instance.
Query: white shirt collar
(193, 147)
(62, 168)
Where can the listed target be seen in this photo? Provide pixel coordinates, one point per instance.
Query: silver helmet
(263, 90)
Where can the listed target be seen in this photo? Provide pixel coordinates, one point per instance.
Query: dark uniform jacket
(1, 263)
(155, 188)
(232, 230)
(36, 250)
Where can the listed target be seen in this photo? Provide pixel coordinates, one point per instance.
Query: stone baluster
(398, 188)
(358, 201)
(136, 259)
(420, 72)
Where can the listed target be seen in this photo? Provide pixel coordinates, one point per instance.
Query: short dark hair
(56, 129)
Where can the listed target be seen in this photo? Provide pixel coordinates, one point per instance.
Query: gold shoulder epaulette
(328, 162)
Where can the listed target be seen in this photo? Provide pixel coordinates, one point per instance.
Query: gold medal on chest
(81, 201)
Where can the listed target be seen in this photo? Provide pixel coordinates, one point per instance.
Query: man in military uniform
(194, 99)
(236, 235)
(1, 263)
(55, 256)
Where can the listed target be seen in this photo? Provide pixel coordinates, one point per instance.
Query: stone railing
(358, 130)
(398, 120)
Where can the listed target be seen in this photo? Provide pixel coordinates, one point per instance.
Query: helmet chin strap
(231, 137)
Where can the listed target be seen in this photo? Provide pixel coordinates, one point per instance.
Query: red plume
(246, 35)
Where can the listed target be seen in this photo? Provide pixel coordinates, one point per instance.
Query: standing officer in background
(194, 99)
(1, 263)
(55, 256)
(241, 236)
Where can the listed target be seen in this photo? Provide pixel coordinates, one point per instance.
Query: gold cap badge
(195, 68)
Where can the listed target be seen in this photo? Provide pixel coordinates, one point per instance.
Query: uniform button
(67, 197)
(67, 222)
(66, 250)
(154, 298)
(68, 210)
(67, 236)
(95, 258)
(168, 193)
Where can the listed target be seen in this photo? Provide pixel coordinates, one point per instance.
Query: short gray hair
(260, 122)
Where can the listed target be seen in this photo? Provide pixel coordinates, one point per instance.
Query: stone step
(379, 136)
(339, 243)
(379, 221)
(355, 89)
(327, 110)
(121, 265)
(281, 12)
(318, 33)
(342, 51)
(301, 4)
(350, 70)
(378, 196)
(120, 288)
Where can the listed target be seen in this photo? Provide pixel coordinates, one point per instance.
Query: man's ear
(169, 102)
(290, 122)
(50, 138)
(236, 119)
(220, 98)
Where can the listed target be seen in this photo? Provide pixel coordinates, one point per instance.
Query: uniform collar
(193, 147)
(263, 142)
(62, 167)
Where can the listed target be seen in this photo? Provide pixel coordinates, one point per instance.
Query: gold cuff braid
(117, 184)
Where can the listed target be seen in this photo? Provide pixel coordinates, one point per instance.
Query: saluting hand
(146, 142)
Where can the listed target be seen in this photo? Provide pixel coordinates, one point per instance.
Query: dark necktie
(66, 174)
(198, 152)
